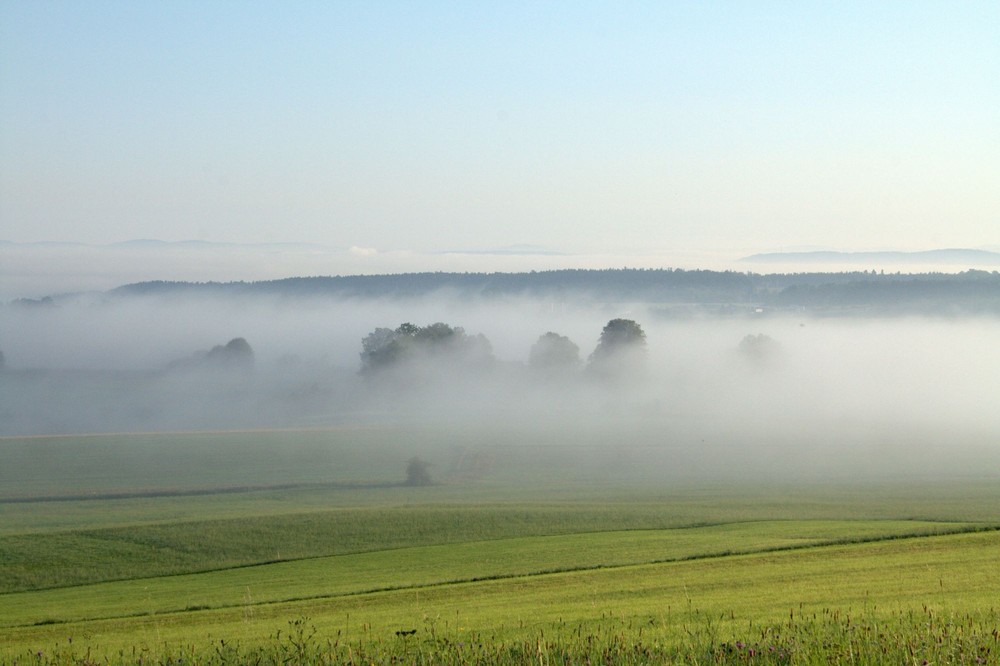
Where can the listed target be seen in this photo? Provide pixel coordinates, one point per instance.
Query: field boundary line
(961, 526)
(857, 541)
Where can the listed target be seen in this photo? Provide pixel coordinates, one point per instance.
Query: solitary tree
(418, 472)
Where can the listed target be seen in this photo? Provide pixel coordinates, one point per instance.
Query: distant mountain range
(945, 256)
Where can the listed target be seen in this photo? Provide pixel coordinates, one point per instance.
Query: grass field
(326, 558)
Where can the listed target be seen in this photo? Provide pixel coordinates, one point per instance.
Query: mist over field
(824, 397)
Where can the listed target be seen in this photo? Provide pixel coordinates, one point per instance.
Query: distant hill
(946, 256)
(858, 292)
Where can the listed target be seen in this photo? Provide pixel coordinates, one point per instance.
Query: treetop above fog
(553, 352)
(619, 336)
(385, 348)
(237, 354)
(621, 343)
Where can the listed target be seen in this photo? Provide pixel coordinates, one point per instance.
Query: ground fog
(763, 394)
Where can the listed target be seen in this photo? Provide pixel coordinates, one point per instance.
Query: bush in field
(418, 472)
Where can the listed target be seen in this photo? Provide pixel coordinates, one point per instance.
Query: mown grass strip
(306, 526)
(811, 594)
(37, 561)
(417, 567)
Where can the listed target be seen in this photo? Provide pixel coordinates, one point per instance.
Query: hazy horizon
(835, 396)
(35, 270)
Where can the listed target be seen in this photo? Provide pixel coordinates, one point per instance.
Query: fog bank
(826, 396)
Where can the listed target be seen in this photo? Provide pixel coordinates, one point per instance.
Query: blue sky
(585, 127)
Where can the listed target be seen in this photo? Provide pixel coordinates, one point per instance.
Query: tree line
(621, 342)
(972, 291)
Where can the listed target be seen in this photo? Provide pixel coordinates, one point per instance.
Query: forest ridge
(969, 292)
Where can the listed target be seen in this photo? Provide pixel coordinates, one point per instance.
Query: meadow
(308, 547)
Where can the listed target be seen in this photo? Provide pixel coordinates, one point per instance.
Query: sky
(585, 128)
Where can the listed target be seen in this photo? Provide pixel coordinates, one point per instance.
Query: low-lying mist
(764, 396)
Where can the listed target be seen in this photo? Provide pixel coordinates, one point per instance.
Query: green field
(308, 549)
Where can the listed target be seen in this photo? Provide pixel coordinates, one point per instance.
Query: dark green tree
(418, 472)
(619, 336)
(437, 343)
(620, 350)
(383, 348)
